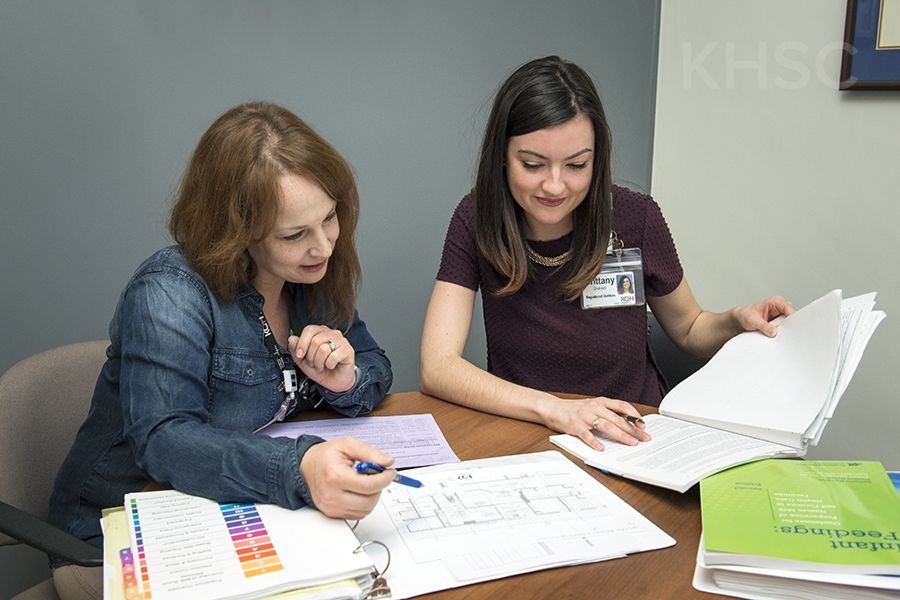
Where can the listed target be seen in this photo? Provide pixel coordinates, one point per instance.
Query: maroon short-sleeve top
(539, 341)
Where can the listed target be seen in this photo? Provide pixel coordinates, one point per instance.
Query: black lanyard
(288, 382)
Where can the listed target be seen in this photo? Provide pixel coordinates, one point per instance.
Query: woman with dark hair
(250, 318)
(536, 235)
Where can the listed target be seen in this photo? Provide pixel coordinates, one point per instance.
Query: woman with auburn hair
(543, 235)
(248, 319)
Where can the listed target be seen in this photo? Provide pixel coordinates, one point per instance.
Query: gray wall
(102, 103)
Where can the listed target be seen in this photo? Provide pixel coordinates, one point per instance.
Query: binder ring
(387, 565)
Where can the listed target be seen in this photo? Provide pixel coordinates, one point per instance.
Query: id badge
(620, 282)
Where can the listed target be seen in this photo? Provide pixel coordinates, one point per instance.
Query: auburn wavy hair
(229, 198)
(542, 93)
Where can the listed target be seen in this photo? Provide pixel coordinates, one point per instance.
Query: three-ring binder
(380, 588)
(188, 546)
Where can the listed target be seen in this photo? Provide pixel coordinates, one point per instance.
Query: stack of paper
(800, 529)
(758, 397)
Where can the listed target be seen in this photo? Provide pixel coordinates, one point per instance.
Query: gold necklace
(548, 261)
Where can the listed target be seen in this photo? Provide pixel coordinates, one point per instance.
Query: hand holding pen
(585, 417)
(620, 421)
(335, 486)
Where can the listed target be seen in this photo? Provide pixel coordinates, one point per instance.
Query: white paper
(679, 454)
(858, 323)
(861, 322)
(770, 388)
(497, 517)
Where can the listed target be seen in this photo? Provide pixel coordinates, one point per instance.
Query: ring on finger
(596, 422)
(332, 345)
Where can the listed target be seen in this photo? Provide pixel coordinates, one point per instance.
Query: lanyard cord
(288, 382)
(269, 341)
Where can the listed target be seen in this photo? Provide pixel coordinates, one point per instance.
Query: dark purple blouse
(539, 341)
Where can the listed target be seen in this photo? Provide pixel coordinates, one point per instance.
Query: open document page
(495, 517)
(758, 397)
(679, 454)
(782, 389)
(767, 388)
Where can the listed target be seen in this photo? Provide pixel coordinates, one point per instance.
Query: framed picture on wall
(871, 58)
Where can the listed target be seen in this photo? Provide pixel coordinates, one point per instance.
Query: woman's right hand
(336, 488)
(582, 417)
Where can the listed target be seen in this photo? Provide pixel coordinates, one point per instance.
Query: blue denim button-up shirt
(186, 382)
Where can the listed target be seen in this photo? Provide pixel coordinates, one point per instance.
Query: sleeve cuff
(351, 399)
(294, 488)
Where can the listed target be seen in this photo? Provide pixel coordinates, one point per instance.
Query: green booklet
(835, 516)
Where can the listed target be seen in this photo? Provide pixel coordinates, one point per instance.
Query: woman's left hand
(325, 356)
(756, 317)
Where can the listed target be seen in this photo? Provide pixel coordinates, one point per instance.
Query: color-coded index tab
(139, 574)
(251, 540)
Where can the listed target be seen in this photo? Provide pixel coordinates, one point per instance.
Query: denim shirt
(186, 382)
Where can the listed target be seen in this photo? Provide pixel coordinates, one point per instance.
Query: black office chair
(43, 401)
(675, 364)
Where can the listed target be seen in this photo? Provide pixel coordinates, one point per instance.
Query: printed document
(758, 397)
(678, 456)
(184, 547)
(413, 440)
(496, 517)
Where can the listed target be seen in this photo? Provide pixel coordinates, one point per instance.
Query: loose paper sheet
(413, 440)
(497, 517)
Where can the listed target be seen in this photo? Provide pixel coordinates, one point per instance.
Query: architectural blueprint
(496, 517)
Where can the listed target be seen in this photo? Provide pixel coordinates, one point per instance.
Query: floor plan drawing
(502, 501)
(494, 517)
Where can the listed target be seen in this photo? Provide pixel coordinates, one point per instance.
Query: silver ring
(332, 345)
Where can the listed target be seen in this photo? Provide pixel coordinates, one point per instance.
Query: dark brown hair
(542, 93)
(229, 198)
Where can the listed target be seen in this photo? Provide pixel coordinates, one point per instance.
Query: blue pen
(367, 468)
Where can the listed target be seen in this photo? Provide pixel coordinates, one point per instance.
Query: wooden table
(665, 573)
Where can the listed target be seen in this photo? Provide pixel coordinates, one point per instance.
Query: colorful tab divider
(132, 592)
(132, 588)
(251, 540)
